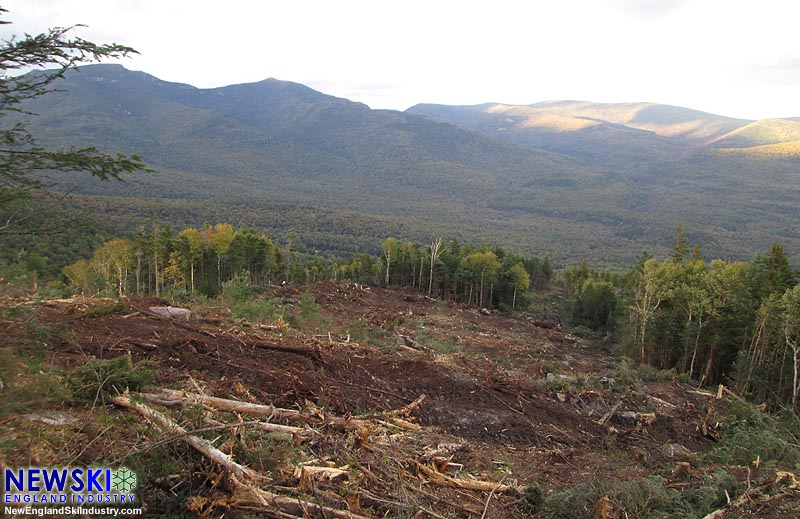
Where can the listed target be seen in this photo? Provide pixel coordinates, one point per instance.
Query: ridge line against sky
(729, 57)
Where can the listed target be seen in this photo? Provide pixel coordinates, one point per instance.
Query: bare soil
(523, 401)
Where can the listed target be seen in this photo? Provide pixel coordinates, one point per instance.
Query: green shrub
(308, 314)
(103, 310)
(749, 434)
(97, 377)
(237, 290)
(644, 498)
(257, 310)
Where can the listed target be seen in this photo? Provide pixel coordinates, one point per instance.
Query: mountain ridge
(598, 189)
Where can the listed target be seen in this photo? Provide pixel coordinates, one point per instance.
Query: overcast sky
(732, 57)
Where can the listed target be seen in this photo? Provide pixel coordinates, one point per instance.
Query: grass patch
(426, 339)
(26, 387)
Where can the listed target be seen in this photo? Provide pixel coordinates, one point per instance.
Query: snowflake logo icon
(124, 480)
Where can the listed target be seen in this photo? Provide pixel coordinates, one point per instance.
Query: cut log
(179, 324)
(295, 432)
(407, 410)
(411, 343)
(203, 446)
(320, 473)
(311, 350)
(175, 397)
(230, 405)
(243, 480)
(438, 478)
(250, 495)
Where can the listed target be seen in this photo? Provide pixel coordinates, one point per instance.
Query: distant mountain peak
(581, 178)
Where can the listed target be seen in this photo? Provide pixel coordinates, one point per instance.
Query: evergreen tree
(22, 161)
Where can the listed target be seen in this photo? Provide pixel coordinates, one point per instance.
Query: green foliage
(717, 321)
(643, 498)
(430, 341)
(751, 434)
(308, 314)
(22, 160)
(245, 305)
(534, 498)
(26, 386)
(238, 289)
(259, 311)
(103, 310)
(98, 377)
(594, 305)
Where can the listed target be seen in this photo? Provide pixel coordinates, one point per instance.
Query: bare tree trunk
(413, 273)
(155, 268)
(795, 382)
(482, 272)
(219, 271)
(201, 445)
(696, 346)
(138, 272)
(421, 270)
(436, 251)
(388, 255)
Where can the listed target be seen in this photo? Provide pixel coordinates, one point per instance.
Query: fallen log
(242, 479)
(295, 432)
(400, 423)
(468, 484)
(175, 397)
(201, 445)
(246, 494)
(175, 322)
(308, 472)
(411, 343)
(408, 409)
(224, 404)
(301, 349)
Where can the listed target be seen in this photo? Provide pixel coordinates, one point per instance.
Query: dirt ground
(511, 399)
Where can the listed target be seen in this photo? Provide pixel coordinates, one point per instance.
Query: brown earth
(518, 399)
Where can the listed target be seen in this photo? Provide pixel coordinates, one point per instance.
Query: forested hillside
(616, 187)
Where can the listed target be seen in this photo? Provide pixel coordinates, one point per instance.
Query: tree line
(159, 261)
(736, 323)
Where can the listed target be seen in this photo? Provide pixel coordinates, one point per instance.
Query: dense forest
(736, 323)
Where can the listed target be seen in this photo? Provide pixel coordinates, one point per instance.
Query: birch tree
(437, 247)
